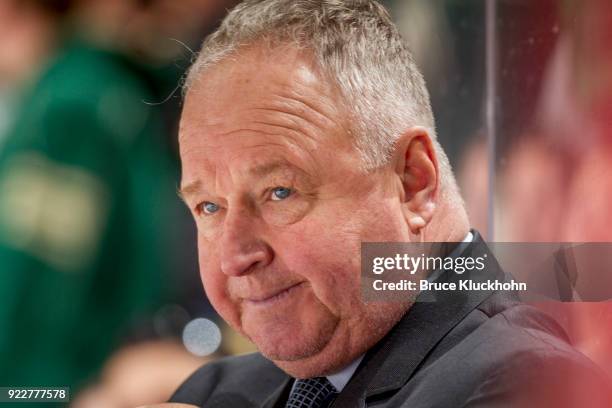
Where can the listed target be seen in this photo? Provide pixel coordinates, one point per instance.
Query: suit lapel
(391, 363)
(280, 395)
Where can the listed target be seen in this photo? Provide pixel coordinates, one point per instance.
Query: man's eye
(209, 208)
(281, 193)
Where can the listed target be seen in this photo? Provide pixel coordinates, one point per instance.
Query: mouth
(276, 297)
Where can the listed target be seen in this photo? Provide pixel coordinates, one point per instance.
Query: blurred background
(99, 284)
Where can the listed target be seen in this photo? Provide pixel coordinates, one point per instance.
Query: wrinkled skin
(282, 205)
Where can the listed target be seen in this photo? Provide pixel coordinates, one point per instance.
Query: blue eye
(281, 193)
(209, 208)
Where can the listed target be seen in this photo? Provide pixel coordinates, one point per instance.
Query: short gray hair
(354, 43)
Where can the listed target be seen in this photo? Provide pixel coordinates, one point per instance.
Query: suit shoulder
(249, 377)
(536, 339)
(499, 328)
(510, 351)
(537, 367)
(502, 312)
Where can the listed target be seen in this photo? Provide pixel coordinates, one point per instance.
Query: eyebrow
(260, 170)
(189, 189)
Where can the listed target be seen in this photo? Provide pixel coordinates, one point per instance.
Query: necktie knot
(311, 393)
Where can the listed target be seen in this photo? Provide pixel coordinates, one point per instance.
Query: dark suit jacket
(465, 349)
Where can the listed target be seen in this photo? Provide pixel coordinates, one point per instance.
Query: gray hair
(357, 46)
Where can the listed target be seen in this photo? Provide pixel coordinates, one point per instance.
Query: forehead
(261, 98)
(260, 66)
(283, 79)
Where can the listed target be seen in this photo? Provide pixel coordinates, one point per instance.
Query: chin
(346, 343)
(292, 342)
(328, 358)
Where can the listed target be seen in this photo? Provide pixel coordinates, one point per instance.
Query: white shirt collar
(469, 237)
(341, 378)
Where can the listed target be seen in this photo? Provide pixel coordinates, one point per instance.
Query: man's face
(282, 205)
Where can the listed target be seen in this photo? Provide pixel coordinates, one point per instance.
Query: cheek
(329, 258)
(384, 224)
(327, 250)
(215, 286)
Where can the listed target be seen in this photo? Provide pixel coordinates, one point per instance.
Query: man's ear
(416, 165)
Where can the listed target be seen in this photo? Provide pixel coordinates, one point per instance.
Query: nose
(242, 249)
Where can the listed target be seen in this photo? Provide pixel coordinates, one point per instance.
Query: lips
(273, 297)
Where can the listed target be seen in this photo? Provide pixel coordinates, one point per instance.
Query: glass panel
(554, 114)
(553, 149)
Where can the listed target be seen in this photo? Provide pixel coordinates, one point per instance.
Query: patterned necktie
(311, 393)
